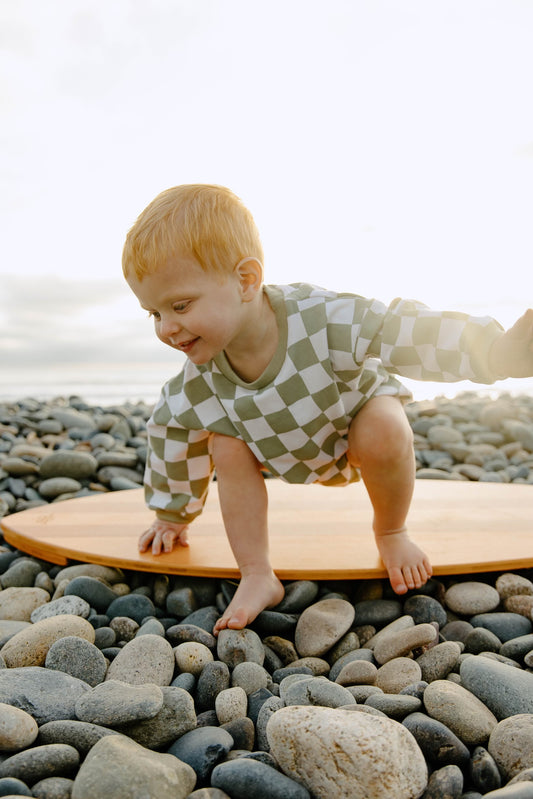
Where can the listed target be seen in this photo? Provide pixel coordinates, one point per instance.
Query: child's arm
(163, 537)
(511, 354)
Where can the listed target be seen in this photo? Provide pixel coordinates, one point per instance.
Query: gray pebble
(38, 762)
(79, 658)
(505, 690)
(113, 703)
(245, 778)
(92, 590)
(237, 646)
(504, 625)
(202, 749)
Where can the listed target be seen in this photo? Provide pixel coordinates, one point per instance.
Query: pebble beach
(112, 684)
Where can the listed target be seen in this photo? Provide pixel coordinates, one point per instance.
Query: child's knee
(381, 433)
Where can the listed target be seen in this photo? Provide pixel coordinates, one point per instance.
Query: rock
(395, 706)
(79, 658)
(18, 604)
(484, 773)
(56, 486)
(215, 677)
(441, 747)
(192, 657)
(437, 662)
(245, 778)
(470, 598)
(93, 590)
(358, 672)
(202, 749)
(11, 787)
(509, 584)
(66, 605)
(238, 646)
(361, 756)
(148, 659)
(30, 646)
(425, 609)
(511, 745)
(298, 596)
(505, 690)
(82, 735)
(445, 782)
(377, 612)
(133, 606)
(460, 710)
(18, 729)
(321, 625)
(113, 703)
(118, 767)
(47, 695)
(397, 674)
(53, 788)
(64, 463)
(38, 762)
(230, 704)
(251, 677)
(176, 717)
(504, 625)
(398, 644)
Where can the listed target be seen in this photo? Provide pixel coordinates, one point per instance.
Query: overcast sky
(384, 147)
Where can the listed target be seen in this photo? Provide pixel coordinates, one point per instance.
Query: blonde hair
(208, 222)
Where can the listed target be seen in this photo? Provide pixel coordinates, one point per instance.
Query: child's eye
(179, 307)
(153, 315)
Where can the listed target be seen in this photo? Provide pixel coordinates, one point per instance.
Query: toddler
(293, 379)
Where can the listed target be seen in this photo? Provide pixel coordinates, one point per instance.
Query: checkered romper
(335, 352)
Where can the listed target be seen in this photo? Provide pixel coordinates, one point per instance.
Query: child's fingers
(145, 540)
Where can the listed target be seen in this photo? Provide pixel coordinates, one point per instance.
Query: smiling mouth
(185, 346)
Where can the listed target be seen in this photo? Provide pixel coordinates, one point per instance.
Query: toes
(238, 619)
(397, 581)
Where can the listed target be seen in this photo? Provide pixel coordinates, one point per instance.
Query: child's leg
(243, 502)
(380, 443)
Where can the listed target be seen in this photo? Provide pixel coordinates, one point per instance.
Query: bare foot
(406, 564)
(255, 593)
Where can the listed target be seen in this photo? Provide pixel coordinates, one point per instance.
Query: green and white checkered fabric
(335, 352)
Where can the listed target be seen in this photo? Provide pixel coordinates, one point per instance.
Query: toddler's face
(196, 312)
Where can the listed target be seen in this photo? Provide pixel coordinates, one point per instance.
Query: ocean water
(112, 384)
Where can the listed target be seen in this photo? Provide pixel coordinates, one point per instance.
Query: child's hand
(512, 354)
(163, 536)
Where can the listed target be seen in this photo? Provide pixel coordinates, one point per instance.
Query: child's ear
(250, 274)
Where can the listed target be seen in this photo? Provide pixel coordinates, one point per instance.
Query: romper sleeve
(413, 341)
(179, 467)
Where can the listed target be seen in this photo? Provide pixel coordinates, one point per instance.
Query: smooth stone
(106, 573)
(215, 677)
(510, 584)
(56, 486)
(242, 731)
(205, 618)
(436, 663)
(209, 793)
(397, 674)
(53, 788)
(267, 710)
(356, 655)
(399, 644)
(182, 633)
(460, 710)
(17, 604)
(47, 695)
(439, 436)
(511, 745)
(470, 598)
(120, 768)
(18, 729)
(181, 602)
(396, 626)
(425, 609)
(446, 782)
(9, 787)
(82, 735)
(191, 657)
(151, 627)
(64, 463)
(484, 773)
(317, 666)
(245, 777)
(185, 681)
(504, 625)
(30, 646)
(66, 605)
(481, 640)
(440, 746)
(506, 691)
(270, 621)
(133, 606)
(522, 790)
(38, 762)
(298, 596)
(124, 628)
(321, 625)
(376, 612)
(147, 659)
(113, 703)
(176, 717)
(19, 467)
(395, 706)
(79, 658)
(353, 750)
(202, 749)
(21, 573)
(282, 648)
(517, 648)
(238, 646)
(230, 704)
(93, 590)
(358, 672)
(250, 676)
(521, 603)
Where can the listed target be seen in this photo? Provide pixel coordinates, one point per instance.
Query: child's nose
(168, 326)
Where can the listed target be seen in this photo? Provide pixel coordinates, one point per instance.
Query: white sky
(384, 147)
